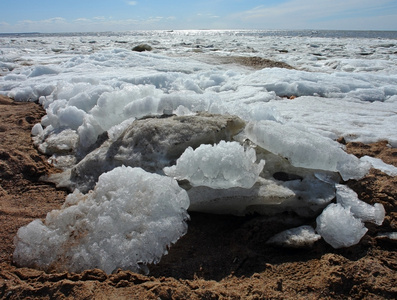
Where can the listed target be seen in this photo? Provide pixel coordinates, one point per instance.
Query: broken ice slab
(364, 211)
(377, 163)
(238, 201)
(267, 196)
(305, 149)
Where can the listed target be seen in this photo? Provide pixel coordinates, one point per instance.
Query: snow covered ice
(108, 106)
(128, 221)
(224, 165)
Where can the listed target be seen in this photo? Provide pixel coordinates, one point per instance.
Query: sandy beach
(221, 257)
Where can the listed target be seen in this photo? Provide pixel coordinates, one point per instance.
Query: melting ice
(235, 141)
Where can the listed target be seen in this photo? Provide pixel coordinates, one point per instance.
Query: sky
(124, 15)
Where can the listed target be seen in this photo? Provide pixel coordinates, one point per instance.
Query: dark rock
(154, 143)
(142, 48)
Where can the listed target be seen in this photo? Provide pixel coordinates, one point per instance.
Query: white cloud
(54, 20)
(47, 25)
(90, 24)
(82, 20)
(132, 3)
(45, 22)
(303, 13)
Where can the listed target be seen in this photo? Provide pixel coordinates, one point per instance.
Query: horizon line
(202, 29)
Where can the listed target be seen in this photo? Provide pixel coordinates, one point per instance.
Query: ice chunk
(267, 197)
(71, 117)
(311, 190)
(116, 131)
(366, 212)
(302, 192)
(26, 93)
(128, 220)
(37, 129)
(142, 107)
(305, 149)
(380, 165)
(44, 70)
(114, 107)
(303, 236)
(339, 227)
(388, 235)
(82, 95)
(62, 143)
(221, 166)
(368, 94)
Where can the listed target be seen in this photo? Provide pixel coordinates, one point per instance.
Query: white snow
(94, 86)
(128, 221)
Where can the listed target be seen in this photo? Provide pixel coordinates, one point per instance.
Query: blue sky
(125, 15)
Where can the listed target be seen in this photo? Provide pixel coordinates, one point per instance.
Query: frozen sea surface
(94, 88)
(346, 86)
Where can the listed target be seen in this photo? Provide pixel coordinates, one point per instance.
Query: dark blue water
(260, 33)
(332, 33)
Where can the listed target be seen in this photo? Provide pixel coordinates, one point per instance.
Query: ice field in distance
(96, 91)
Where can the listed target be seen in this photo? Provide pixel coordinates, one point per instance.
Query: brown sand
(221, 257)
(254, 62)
